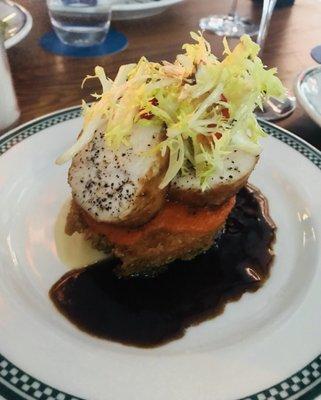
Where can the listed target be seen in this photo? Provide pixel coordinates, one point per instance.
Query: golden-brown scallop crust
(149, 199)
(208, 198)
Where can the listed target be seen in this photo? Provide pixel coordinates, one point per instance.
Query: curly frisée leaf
(205, 106)
(176, 158)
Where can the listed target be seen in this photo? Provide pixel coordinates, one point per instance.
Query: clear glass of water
(80, 23)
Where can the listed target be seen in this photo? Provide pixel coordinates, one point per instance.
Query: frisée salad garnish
(205, 106)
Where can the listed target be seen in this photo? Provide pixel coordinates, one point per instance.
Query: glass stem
(268, 7)
(232, 12)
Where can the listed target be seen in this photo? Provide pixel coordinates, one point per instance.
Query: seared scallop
(120, 186)
(236, 168)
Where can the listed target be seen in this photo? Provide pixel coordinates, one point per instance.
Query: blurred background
(47, 73)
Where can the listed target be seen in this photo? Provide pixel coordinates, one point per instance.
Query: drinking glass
(230, 25)
(80, 23)
(273, 109)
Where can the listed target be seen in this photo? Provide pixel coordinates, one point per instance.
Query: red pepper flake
(226, 113)
(149, 115)
(154, 101)
(204, 140)
(218, 135)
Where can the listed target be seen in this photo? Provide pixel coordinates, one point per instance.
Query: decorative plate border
(15, 384)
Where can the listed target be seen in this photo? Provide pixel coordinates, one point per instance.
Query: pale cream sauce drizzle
(74, 251)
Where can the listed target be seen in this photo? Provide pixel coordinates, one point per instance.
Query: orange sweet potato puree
(174, 217)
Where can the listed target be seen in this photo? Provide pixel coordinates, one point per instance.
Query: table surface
(46, 82)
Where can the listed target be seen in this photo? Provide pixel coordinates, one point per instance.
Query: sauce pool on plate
(150, 311)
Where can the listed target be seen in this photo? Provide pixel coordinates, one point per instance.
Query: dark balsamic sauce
(150, 311)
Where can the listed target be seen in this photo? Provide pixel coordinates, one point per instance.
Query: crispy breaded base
(76, 223)
(160, 249)
(149, 255)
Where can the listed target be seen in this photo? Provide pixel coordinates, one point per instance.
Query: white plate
(266, 345)
(19, 22)
(308, 92)
(133, 9)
